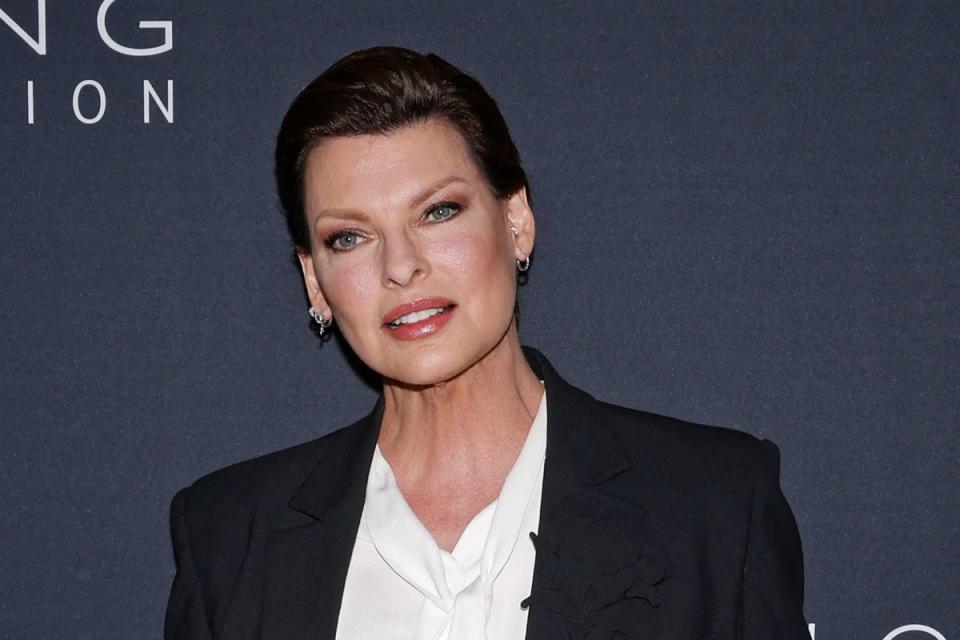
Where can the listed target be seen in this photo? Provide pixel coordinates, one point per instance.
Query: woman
(483, 496)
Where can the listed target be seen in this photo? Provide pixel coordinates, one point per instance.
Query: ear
(520, 216)
(311, 283)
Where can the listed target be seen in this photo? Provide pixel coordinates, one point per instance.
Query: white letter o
(76, 101)
(915, 627)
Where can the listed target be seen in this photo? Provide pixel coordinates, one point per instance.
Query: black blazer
(650, 527)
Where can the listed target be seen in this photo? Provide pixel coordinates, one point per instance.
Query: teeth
(416, 316)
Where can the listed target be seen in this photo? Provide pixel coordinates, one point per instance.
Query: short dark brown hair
(376, 91)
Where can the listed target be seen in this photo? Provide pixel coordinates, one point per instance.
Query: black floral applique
(596, 575)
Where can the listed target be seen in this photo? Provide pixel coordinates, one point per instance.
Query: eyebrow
(429, 191)
(417, 200)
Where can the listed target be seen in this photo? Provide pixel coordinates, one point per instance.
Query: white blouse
(401, 585)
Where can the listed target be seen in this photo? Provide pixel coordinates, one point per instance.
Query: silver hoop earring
(523, 265)
(319, 319)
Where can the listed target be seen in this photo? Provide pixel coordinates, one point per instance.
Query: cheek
(347, 286)
(479, 263)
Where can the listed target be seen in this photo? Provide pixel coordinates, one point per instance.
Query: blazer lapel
(306, 566)
(592, 573)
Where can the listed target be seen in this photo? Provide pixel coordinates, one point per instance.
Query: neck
(466, 425)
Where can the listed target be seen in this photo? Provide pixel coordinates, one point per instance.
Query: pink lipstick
(418, 319)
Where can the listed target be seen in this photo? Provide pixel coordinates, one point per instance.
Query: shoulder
(252, 482)
(704, 485)
(673, 448)
(222, 522)
(228, 498)
(668, 448)
(670, 435)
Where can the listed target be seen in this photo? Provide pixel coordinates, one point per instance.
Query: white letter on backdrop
(914, 627)
(76, 102)
(29, 101)
(40, 44)
(150, 93)
(165, 25)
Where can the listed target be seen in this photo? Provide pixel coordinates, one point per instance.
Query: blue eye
(342, 240)
(443, 211)
(346, 241)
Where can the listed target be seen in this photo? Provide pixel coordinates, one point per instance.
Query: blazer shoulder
(263, 484)
(693, 447)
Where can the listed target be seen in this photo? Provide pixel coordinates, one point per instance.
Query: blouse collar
(487, 542)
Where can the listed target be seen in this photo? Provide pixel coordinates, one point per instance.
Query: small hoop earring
(523, 265)
(320, 320)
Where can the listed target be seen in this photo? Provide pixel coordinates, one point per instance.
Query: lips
(418, 319)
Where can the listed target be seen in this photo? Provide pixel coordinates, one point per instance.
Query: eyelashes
(452, 209)
(344, 240)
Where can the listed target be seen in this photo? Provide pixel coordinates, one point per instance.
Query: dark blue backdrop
(747, 216)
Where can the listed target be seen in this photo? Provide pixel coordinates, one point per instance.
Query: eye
(342, 240)
(442, 212)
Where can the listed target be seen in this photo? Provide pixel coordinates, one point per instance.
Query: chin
(429, 365)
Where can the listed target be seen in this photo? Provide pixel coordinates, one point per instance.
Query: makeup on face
(419, 318)
(412, 251)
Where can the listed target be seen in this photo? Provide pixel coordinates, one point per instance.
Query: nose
(403, 262)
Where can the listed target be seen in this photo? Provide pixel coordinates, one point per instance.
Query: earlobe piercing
(320, 320)
(522, 265)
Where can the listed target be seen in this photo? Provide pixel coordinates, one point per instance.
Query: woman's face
(411, 252)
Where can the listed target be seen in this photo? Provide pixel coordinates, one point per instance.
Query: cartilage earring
(320, 320)
(513, 230)
(523, 265)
